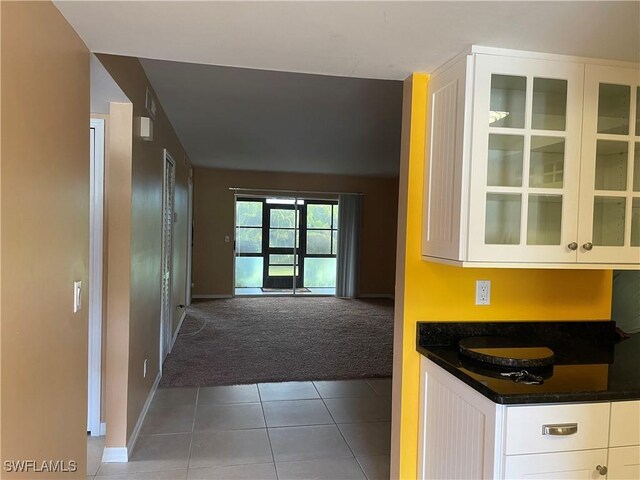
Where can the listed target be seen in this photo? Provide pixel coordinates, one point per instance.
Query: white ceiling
(334, 121)
(365, 39)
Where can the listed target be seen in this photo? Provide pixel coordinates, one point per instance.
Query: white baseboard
(115, 455)
(377, 295)
(103, 428)
(143, 414)
(211, 296)
(175, 334)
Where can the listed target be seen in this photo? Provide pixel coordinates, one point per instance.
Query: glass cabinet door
(610, 189)
(527, 120)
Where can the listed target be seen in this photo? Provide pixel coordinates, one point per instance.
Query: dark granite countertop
(591, 364)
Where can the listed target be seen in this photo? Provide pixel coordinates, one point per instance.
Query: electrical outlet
(144, 369)
(483, 292)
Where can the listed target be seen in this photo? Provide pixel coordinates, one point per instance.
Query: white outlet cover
(483, 292)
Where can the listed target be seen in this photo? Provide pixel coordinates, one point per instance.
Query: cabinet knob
(572, 246)
(602, 470)
(587, 246)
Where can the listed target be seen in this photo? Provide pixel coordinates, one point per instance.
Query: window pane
(335, 216)
(248, 214)
(318, 216)
(249, 240)
(505, 160)
(502, 225)
(635, 222)
(282, 271)
(282, 218)
(319, 241)
(507, 106)
(334, 248)
(282, 238)
(608, 221)
(248, 272)
(547, 162)
(281, 259)
(611, 165)
(549, 104)
(613, 108)
(544, 222)
(319, 272)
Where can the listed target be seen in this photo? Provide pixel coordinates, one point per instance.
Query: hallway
(332, 430)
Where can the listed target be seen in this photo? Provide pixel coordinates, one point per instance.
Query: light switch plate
(77, 296)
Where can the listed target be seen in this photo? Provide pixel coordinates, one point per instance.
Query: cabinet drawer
(584, 426)
(556, 466)
(624, 463)
(625, 424)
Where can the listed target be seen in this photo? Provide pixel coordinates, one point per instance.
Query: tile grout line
(266, 426)
(193, 426)
(340, 431)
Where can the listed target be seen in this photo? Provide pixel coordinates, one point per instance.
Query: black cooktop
(591, 362)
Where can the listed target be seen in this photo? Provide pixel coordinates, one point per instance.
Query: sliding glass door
(285, 246)
(281, 245)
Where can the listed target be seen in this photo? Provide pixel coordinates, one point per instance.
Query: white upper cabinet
(530, 163)
(609, 229)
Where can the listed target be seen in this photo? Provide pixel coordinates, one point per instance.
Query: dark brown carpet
(251, 340)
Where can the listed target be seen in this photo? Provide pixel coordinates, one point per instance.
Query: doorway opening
(96, 232)
(285, 245)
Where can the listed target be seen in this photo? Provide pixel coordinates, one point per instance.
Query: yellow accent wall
(430, 291)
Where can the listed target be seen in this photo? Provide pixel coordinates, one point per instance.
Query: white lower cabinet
(624, 463)
(580, 465)
(463, 434)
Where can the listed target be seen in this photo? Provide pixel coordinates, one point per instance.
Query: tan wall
(44, 243)
(214, 217)
(145, 241)
(118, 218)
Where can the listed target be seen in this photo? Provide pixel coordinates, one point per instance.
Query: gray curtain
(349, 227)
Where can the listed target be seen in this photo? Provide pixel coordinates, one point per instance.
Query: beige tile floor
(329, 430)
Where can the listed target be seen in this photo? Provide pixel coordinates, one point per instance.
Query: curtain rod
(238, 189)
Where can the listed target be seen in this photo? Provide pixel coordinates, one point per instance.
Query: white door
(96, 216)
(166, 317)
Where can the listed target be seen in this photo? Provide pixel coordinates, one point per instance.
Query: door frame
(96, 251)
(166, 322)
(189, 239)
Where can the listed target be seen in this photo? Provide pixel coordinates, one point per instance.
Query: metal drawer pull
(602, 470)
(560, 429)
